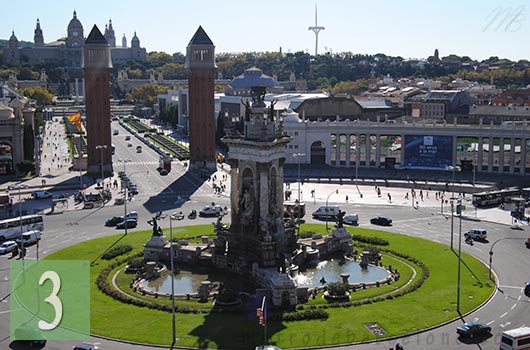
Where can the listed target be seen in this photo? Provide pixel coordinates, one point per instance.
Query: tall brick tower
(97, 64)
(200, 62)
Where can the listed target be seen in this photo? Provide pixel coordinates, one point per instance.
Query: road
(509, 308)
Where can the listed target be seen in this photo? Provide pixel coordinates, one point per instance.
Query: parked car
(113, 221)
(129, 144)
(130, 223)
(381, 221)
(42, 194)
(477, 234)
(127, 137)
(86, 346)
(473, 329)
(132, 215)
(7, 247)
(30, 335)
(29, 237)
(527, 243)
(351, 219)
(133, 189)
(163, 172)
(268, 347)
(211, 210)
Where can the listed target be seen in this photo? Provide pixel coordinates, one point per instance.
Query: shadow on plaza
(235, 331)
(175, 195)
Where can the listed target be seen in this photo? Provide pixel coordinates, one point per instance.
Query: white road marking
(504, 314)
(513, 306)
(490, 322)
(505, 325)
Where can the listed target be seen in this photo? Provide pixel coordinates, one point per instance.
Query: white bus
(13, 227)
(516, 339)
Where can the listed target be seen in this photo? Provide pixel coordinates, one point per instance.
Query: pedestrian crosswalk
(118, 164)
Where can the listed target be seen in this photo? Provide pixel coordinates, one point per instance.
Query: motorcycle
(469, 240)
(193, 214)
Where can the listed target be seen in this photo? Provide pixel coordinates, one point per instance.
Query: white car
(7, 247)
(29, 238)
(477, 234)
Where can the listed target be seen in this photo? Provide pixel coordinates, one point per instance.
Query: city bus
(516, 339)
(12, 228)
(497, 197)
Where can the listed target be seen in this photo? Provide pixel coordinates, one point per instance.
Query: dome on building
(13, 39)
(74, 24)
(135, 42)
(252, 77)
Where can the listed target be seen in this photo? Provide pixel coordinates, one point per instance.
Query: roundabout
(423, 297)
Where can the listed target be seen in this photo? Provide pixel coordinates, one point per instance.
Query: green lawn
(433, 303)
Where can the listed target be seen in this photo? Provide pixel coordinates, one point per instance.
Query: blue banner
(428, 152)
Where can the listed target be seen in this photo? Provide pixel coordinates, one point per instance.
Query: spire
(200, 38)
(75, 14)
(95, 37)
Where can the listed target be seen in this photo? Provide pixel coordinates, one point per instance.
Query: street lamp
(101, 148)
(453, 168)
(327, 199)
(459, 210)
(298, 156)
(173, 321)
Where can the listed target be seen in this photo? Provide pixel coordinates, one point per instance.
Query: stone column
(377, 150)
(357, 151)
(512, 155)
(337, 150)
(490, 154)
(522, 157)
(479, 154)
(367, 150)
(500, 170)
(347, 150)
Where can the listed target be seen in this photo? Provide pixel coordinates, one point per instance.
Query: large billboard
(428, 152)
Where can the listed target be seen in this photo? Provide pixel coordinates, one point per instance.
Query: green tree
(39, 94)
(157, 59)
(146, 94)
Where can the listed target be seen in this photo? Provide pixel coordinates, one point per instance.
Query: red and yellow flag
(75, 119)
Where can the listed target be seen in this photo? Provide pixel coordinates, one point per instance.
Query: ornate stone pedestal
(155, 249)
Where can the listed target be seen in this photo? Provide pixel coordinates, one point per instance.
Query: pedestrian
(417, 204)
(389, 198)
(406, 195)
(346, 198)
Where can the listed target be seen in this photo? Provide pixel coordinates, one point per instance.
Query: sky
(406, 28)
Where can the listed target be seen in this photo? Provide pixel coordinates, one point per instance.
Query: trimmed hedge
(117, 251)
(370, 240)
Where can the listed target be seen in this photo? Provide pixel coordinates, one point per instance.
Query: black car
(473, 329)
(527, 289)
(113, 221)
(527, 243)
(131, 223)
(381, 221)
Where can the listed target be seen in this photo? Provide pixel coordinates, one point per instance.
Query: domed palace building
(68, 50)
